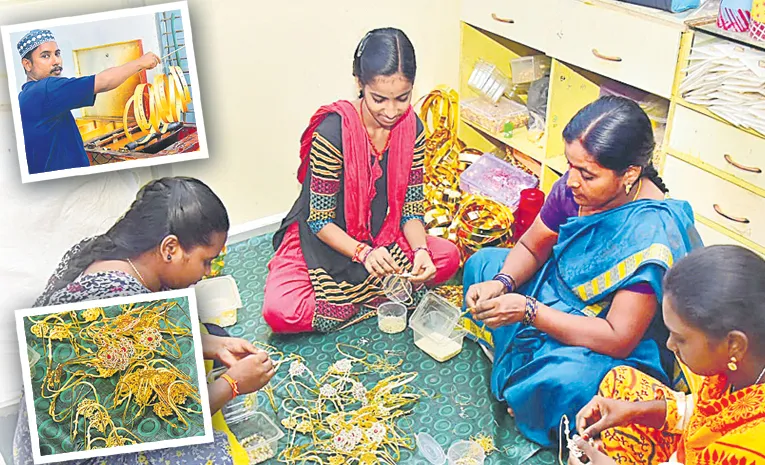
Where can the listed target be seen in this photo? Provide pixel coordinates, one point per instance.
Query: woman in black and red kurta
(359, 216)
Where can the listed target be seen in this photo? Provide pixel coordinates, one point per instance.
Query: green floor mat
(444, 418)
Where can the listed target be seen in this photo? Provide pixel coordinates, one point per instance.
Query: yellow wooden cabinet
(717, 167)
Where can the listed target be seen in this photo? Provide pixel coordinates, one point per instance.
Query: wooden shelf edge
(705, 111)
(528, 148)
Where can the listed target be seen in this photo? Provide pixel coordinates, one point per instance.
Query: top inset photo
(104, 92)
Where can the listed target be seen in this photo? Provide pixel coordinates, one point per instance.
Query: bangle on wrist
(530, 315)
(507, 281)
(365, 255)
(425, 248)
(362, 252)
(231, 382)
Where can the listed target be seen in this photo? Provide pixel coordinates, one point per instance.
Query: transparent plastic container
(258, 434)
(218, 300)
(494, 116)
(434, 324)
(397, 289)
(246, 404)
(497, 180)
(440, 347)
(488, 81)
(466, 453)
(430, 449)
(435, 314)
(529, 69)
(391, 317)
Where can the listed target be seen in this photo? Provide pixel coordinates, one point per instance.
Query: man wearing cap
(51, 138)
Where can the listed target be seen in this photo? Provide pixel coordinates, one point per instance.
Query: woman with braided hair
(166, 240)
(580, 293)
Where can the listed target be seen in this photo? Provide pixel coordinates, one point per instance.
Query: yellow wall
(265, 68)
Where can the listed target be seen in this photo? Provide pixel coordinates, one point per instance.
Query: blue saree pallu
(542, 379)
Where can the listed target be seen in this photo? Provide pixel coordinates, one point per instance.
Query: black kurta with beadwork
(341, 285)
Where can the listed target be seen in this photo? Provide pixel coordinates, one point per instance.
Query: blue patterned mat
(462, 407)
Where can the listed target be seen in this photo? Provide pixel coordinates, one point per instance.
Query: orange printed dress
(709, 426)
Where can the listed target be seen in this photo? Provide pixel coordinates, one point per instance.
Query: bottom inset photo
(114, 376)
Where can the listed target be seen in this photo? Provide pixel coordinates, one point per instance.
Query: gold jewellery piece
(155, 106)
(469, 221)
(134, 351)
(341, 417)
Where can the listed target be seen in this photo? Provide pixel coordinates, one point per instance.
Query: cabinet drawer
(716, 199)
(621, 46)
(711, 236)
(516, 20)
(720, 145)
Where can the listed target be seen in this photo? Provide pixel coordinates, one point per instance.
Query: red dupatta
(362, 170)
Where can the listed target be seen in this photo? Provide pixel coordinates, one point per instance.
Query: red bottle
(528, 208)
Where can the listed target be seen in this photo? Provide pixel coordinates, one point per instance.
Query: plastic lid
(468, 452)
(430, 449)
(435, 315)
(215, 295)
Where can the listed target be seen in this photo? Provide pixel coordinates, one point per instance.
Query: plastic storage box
(218, 300)
(497, 180)
(246, 404)
(488, 81)
(466, 453)
(258, 434)
(434, 324)
(529, 69)
(494, 116)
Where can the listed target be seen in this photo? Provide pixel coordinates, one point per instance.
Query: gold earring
(732, 366)
(627, 188)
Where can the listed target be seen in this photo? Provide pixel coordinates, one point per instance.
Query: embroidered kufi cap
(34, 39)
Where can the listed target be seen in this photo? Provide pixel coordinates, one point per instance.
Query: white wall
(265, 67)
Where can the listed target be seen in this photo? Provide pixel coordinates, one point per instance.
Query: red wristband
(232, 382)
(359, 250)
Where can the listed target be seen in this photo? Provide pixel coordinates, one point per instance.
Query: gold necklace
(138, 273)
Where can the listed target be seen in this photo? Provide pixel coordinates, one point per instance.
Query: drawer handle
(605, 57)
(502, 20)
(732, 218)
(751, 169)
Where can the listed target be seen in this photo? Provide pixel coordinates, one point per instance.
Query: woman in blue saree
(580, 293)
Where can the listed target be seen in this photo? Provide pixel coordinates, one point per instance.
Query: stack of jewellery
(340, 417)
(470, 221)
(133, 348)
